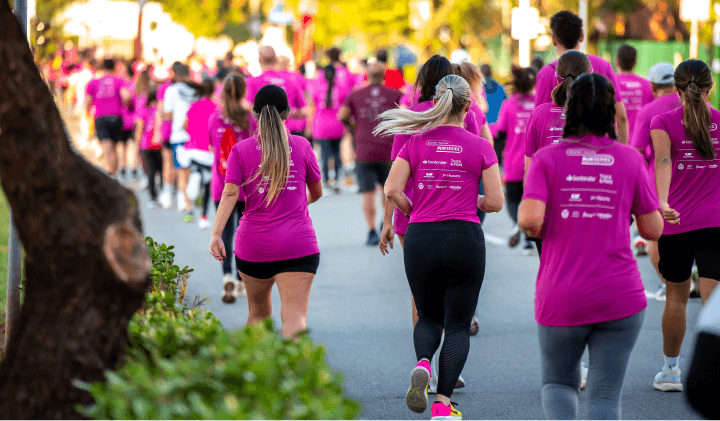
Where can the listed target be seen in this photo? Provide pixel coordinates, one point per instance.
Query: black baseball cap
(272, 95)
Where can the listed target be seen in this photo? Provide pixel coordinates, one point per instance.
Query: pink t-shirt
(297, 125)
(409, 99)
(284, 229)
(544, 128)
(695, 182)
(325, 123)
(400, 221)
(546, 80)
(447, 164)
(105, 94)
(480, 118)
(640, 136)
(128, 116)
(217, 124)
(589, 193)
(148, 118)
(636, 92)
(344, 78)
(296, 98)
(513, 120)
(166, 127)
(365, 105)
(197, 124)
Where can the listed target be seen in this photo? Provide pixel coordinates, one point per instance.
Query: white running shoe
(668, 380)
(432, 387)
(229, 289)
(180, 201)
(204, 223)
(661, 294)
(152, 204)
(583, 376)
(193, 187)
(240, 290)
(165, 198)
(640, 246)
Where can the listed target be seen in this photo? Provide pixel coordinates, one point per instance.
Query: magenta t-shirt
(147, 115)
(446, 164)
(197, 124)
(480, 117)
(297, 125)
(128, 116)
(513, 119)
(409, 99)
(544, 128)
(105, 94)
(695, 182)
(166, 126)
(325, 123)
(217, 124)
(284, 229)
(590, 193)
(400, 221)
(546, 80)
(636, 92)
(296, 98)
(640, 136)
(365, 105)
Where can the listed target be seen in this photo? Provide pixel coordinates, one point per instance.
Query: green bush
(182, 364)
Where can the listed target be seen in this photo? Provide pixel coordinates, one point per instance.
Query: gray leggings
(609, 345)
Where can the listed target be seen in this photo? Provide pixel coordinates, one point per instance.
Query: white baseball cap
(662, 74)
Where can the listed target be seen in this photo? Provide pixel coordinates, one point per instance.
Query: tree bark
(86, 264)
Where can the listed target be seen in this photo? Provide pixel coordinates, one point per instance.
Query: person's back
(287, 217)
(178, 99)
(546, 80)
(105, 94)
(366, 104)
(494, 92)
(327, 100)
(635, 91)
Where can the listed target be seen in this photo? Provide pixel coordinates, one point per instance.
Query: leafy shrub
(182, 364)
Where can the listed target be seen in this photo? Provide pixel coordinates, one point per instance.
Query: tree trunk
(86, 263)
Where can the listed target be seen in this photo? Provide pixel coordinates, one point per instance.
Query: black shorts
(167, 145)
(369, 173)
(109, 128)
(678, 252)
(266, 270)
(126, 135)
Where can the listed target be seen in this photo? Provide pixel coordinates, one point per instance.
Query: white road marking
(495, 240)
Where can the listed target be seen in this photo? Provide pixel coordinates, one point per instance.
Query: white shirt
(178, 99)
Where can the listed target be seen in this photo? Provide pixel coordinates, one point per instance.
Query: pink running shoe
(417, 395)
(442, 412)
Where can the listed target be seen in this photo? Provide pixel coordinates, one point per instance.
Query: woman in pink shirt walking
(582, 191)
(275, 241)
(444, 244)
(688, 185)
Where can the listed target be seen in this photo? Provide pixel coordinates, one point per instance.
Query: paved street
(360, 310)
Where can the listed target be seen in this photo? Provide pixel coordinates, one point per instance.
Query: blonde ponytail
(275, 163)
(452, 94)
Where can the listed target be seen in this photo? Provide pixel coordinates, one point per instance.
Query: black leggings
(330, 149)
(152, 160)
(228, 236)
(445, 266)
(514, 197)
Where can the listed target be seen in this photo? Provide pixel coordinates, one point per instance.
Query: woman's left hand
(217, 247)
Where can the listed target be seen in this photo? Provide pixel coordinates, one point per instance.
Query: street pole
(583, 11)
(12, 305)
(694, 38)
(138, 41)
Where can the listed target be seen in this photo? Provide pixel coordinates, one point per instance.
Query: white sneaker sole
(669, 387)
(446, 418)
(417, 397)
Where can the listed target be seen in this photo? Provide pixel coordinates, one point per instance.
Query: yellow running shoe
(442, 412)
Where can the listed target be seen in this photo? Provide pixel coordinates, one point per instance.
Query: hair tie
(570, 75)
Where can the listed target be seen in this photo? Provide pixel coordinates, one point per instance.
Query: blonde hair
(275, 162)
(452, 94)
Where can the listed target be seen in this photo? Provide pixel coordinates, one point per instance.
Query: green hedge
(182, 364)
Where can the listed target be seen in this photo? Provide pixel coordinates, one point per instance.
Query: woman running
(278, 240)
(474, 78)
(445, 246)
(327, 130)
(510, 127)
(226, 127)
(688, 185)
(151, 155)
(582, 191)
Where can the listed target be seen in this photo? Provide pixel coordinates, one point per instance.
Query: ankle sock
(672, 361)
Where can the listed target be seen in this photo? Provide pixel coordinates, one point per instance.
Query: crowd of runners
(593, 166)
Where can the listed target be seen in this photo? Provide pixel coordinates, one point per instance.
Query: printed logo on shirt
(688, 155)
(456, 163)
(452, 149)
(421, 186)
(606, 179)
(528, 105)
(428, 175)
(699, 167)
(581, 178)
(375, 92)
(681, 166)
(261, 190)
(429, 187)
(576, 214)
(599, 159)
(689, 166)
(575, 197)
(633, 85)
(600, 198)
(713, 166)
(435, 162)
(713, 127)
(292, 188)
(555, 129)
(604, 216)
(687, 142)
(565, 214)
(455, 187)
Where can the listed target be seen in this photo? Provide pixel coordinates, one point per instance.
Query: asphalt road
(360, 310)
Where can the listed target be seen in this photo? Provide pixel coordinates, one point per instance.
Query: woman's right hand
(670, 214)
(217, 247)
(387, 237)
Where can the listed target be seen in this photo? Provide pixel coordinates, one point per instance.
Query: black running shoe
(373, 238)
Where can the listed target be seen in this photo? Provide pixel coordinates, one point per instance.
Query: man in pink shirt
(271, 76)
(296, 126)
(634, 90)
(567, 34)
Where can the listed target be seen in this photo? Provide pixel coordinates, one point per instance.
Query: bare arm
(344, 115)
(395, 185)
(531, 217)
(315, 192)
(622, 123)
(494, 199)
(650, 225)
(663, 174)
(229, 199)
(487, 134)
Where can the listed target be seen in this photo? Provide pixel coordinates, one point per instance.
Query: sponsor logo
(421, 186)
(292, 164)
(606, 179)
(632, 85)
(713, 166)
(429, 187)
(715, 141)
(599, 159)
(557, 110)
(428, 175)
(689, 166)
(581, 178)
(565, 214)
(258, 147)
(604, 216)
(576, 214)
(435, 162)
(528, 105)
(686, 142)
(713, 127)
(456, 163)
(453, 149)
(435, 142)
(375, 92)
(575, 197)
(554, 129)
(261, 190)
(455, 187)
(600, 198)
(441, 187)
(681, 166)
(688, 154)
(700, 166)
(292, 188)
